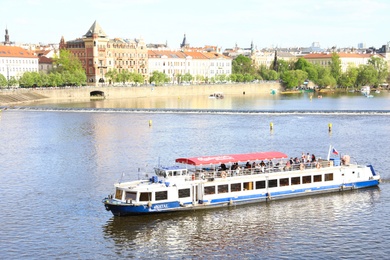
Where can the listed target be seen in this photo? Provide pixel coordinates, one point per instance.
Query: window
(235, 187)
(223, 188)
(272, 183)
(118, 194)
(208, 190)
(145, 196)
(161, 195)
(184, 193)
(260, 185)
(306, 179)
(131, 196)
(283, 182)
(295, 180)
(329, 177)
(248, 185)
(317, 178)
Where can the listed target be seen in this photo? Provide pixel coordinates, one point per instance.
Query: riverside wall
(111, 92)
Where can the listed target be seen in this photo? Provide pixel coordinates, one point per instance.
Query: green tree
(335, 66)
(27, 80)
(242, 64)
(138, 78)
(380, 66)
(70, 67)
(325, 79)
(112, 75)
(186, 77)
(348, 79)
(158, 78)
(368, 75)
(13, 81)
(294, 78)
(3, 81)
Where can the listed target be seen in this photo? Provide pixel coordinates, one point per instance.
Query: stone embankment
(8, 97)
(11, 97)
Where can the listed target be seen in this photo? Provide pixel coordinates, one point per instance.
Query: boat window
(295, 180)
(208, 190)
(260, 185)
(328, 176)
(235, 187)
(272, 183)
(223, 188)
(306, 179)
(176, 173)
(118, 194)
(283, 182)
(248, 185)
(145, 196)
(161, 195)
(184, 193)
(317, 178)
(131, 195)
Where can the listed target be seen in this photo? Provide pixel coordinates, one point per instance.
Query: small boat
(319, 96)
(218, 95)
(228, 180)
(365, 90)
(377, 91)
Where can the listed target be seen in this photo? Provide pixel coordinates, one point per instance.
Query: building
(203, 66)
(347, 59)
(99, 54)
(14, 61)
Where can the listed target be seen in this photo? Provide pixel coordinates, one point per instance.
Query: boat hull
(126, 209)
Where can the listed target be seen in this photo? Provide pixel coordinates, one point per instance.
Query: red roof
(232, 158)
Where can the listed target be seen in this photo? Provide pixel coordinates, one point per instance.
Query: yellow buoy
(271, 126)
(150, 122)
(330, 127)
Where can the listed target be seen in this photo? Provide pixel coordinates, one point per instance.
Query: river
(58, 161)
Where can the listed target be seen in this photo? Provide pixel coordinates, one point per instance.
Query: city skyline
(279, 23)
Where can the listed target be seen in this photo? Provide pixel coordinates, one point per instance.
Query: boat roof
(232, 158)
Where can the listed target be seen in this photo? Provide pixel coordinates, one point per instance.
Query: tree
(325, 79)
(368, 75)
(294, 78)
(335, 66)
(158, 78)
(380, 66)
(242, 65)
(348, 79)
(112, 75)
(70, 67)
(138, 78)
(3, 81)
(13, 81)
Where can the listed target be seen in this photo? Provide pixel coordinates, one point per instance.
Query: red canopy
(231, 158)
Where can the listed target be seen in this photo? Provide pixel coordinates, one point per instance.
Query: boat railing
(208, 173)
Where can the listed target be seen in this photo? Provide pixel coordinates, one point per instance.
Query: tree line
(68, 71)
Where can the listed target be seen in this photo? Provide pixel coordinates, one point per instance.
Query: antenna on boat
(139, 169)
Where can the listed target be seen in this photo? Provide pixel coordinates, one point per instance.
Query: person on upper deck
(313, 158)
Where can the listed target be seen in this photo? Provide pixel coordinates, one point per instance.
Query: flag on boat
(334, 151)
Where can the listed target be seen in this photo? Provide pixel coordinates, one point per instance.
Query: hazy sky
(283, 23)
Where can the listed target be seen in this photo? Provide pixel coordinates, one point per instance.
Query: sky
(223, 23)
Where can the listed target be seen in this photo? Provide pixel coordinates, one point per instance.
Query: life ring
(302, 167)
(223, 174)
(318, 165)
(202, 176)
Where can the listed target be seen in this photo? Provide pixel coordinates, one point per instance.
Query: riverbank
(9, 97)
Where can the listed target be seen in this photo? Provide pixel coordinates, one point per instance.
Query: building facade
(346, 59)
(14, 61)
(99, 54)
(203, 66)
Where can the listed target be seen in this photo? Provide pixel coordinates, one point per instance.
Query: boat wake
(200, 111)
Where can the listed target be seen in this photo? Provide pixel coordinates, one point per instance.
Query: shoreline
(17, 96)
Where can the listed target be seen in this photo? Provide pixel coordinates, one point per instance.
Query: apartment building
(14, 61)
(99, 54)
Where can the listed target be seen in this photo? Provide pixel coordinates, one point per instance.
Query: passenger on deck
(234, 166)
(247, 165)
(223, 167)
(262, 166)
(313, 158)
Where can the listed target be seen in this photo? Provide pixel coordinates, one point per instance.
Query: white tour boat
(229, 180)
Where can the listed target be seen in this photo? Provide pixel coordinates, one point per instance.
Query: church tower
(6, 38)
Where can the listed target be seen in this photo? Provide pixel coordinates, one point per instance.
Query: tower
(6, 37)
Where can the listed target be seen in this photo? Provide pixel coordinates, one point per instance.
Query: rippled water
(57, 166)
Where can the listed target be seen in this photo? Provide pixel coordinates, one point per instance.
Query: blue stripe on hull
(129, 209)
